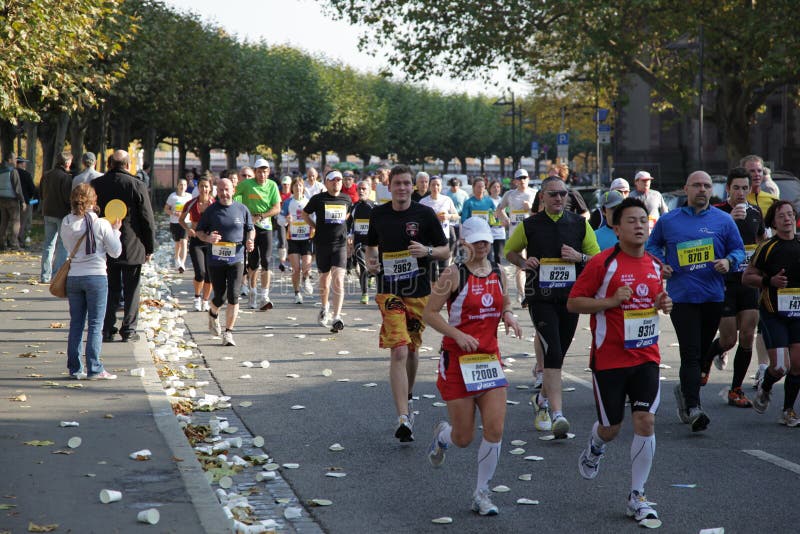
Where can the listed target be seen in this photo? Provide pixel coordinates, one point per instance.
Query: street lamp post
(503, 102)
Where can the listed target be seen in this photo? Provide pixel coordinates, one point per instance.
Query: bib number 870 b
(697, 257)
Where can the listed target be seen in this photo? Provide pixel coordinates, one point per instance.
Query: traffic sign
(562, 139)
(604, 133)
(534, 150)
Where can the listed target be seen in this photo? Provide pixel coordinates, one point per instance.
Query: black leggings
(497, 250)
(555, 327)
(226, 280)
(695, 326)
(198, 252)
(262, 251)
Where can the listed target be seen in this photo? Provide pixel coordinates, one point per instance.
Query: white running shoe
(252, 299)
(245, 290)
(541, 420)
(298, 298)
(560, 427)
(309, 289)
(761, 400)
(721, 361)
(338, 325)
(589, 461)
(266, 304)
(227, 339)
(759, 375)
(789, 418)
(405, 429)
(436, 451)
(213, 325)
(639, 508)
(324, 318)
(206, 306)
(538, 379)
(482, 504)
(198, 304)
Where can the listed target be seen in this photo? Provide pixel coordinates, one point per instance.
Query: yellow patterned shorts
(402, 320)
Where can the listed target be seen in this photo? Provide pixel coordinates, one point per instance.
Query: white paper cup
(225, 482)
(235, 442)
(107, 496)
(265, 476)
(258, 441)
(139, 371)
(74, 442)
(150, 516)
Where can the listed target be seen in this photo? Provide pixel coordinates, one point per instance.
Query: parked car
(789, 186)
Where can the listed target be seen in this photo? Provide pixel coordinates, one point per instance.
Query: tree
(749, 46)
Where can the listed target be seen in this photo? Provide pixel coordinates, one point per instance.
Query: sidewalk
(53, 484)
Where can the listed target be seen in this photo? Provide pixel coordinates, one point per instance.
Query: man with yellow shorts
(403, 238)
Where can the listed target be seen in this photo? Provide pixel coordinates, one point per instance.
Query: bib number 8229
(559, 275)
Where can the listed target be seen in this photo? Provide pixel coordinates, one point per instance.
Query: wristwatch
(583, 258)
(430, 251)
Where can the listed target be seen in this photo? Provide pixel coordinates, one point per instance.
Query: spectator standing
(31, 199)
(12, 203)
(653, 201)
(54, 190)
(88, 160)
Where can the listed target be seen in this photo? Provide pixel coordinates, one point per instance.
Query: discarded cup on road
(143, 454)
(107, 496)
(139, 371)
(235, 442)
(225, 482)
(149, 516)
(258, 441)
(69, 423)
(265, 476)
(74, 442)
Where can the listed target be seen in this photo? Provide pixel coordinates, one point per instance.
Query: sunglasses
(554, 194)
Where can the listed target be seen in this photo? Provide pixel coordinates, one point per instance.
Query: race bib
(178, 207)
(694, 253)
(481, 214)
(641, 328)
(361, 226)
(399, 265)
(223, 251)
(299, 230)
(335, 213)
(789, 302)
(264, 224)
(517, 216)
(651, 222)
(481, 372)
(555, 272)
(498, 233)
(748, 253)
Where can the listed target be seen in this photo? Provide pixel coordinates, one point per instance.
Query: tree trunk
(277, 159)
(502, 166)
(181, 158)
(230, 159)
(77, 132)
(301, 162)
(30, 146)
(62, 125)
(204, 152)
(323, 162)
(483, 165)
(8, 133)
(463, 160)
(445, 168)
(365, 162)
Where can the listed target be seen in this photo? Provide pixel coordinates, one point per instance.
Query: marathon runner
(198, 250)
(623, 291)
(775, 269)
(331, 209)
(470, 370)
(173, 207)
(359, 227)
(228, 227)
(404, 237)
(298, 233)
(518, 203)
(558, 243)
(446, 212)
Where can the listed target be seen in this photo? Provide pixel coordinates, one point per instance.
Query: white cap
(643, 175)
(260, 162)
(520, 172)
(620, 184)
(286, 180)
(476, 229)
(333, 175)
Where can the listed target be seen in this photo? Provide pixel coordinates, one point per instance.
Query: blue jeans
(87, 296)
(52, 240)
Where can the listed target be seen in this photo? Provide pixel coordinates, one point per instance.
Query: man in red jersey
(622, 288)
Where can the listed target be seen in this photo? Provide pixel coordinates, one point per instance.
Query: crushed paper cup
(293, 512)
(143, 454)
(258, 442)
(74, 442)
(265, 476)
(149, 516)
(264, 364)
(109, 496)
(225, 482)
(68, 423)
(442, 520)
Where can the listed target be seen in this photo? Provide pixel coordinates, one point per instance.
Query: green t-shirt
(258, 199)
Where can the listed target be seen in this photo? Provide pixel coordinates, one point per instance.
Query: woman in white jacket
(87, 282)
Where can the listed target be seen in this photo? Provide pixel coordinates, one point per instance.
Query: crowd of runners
(726, 275)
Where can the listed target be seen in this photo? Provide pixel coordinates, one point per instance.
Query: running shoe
(337, 326)
(206, 306)
(721, 361)
(639, 508)
(412, 415)
(761, 400)
(266, 304)
(737, 398)
(788, 418)
(704, 378)
(309, 289)
(213, 325)
(282, 267)
(103, 375)
(698, 419)
(324, 318)
(245, 290)
(759, 377)
(482, 504)
(589, 461)
(437, 450)
(371, 282)
(298, 298)
(252, 299)
(538, 379)
(405, 430)
(683, 413)
(364, 299)
(198, 304)
(227, 339)
(541, 421)
(80, 375)
(181, 269)
(560, 427)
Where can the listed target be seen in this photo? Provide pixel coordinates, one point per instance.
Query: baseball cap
(286, 180)
(476, 229)
(643, 175)
(620, 184)
(333, 175)
(89, 157)
(20, 159)
(260, 162)
(520, 172)
(611, 199)
(347, 173)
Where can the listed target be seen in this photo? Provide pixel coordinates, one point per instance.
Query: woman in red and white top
(470, 370)
(298, 234)
(198, 250)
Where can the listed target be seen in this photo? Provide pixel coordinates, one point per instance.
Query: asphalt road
(390, 487)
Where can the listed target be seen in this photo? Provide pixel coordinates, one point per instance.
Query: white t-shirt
(176, 203)
(382, 194)
(443, 204)
(517, 212)
(311, 190)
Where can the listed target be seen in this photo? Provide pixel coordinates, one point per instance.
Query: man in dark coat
(138, 241)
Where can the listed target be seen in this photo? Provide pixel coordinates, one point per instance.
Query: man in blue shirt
(606, 237)
(698, 245)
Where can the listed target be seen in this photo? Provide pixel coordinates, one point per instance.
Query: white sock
(597, 441)
(643, 448)
(488, 455)
(265, 294)
(445, 437)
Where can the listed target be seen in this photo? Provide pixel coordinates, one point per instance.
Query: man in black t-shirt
(359, 227)
(403, 238)
(740, 309)
(332, 209)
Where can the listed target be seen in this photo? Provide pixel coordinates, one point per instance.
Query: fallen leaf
(52, 325)
(27, 355)
(19, 398)
(7, 506)
(108, 416)
(33, 527)
(62, 451)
